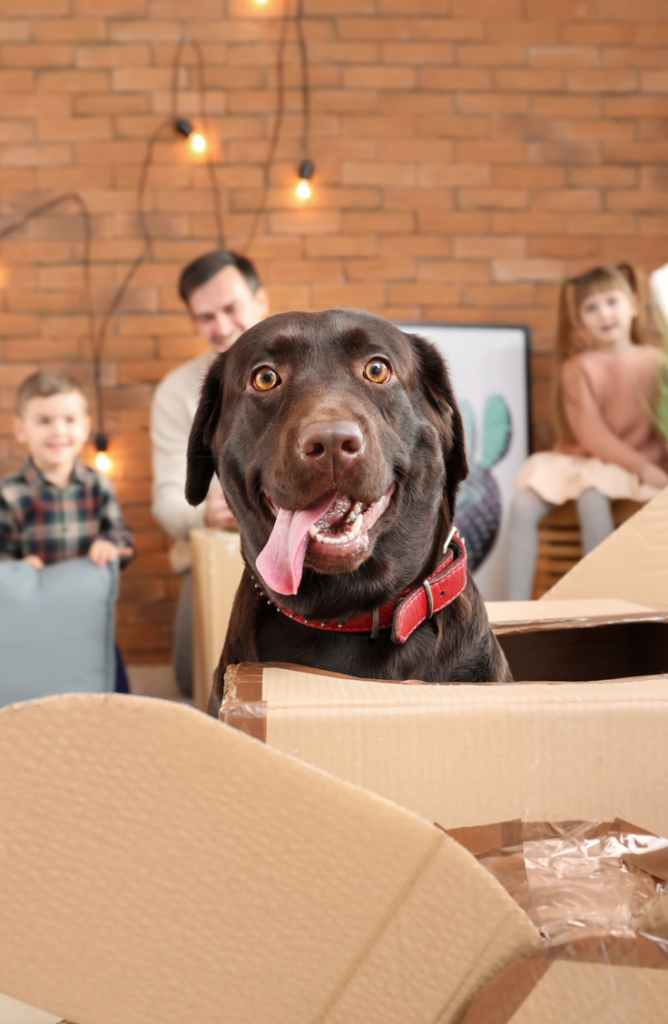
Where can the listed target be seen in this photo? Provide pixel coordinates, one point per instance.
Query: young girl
(605, 386)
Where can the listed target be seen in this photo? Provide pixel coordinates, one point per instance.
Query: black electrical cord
(38, 211)
(169, 125)
(201, 89)
(306, 87)
(278, 123)
(144, 252)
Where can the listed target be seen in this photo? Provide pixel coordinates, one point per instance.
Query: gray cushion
(56, 629)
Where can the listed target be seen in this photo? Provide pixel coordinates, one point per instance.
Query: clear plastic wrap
(574, 874)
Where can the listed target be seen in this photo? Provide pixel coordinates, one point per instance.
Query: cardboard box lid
(158, 867)
(469, 755)
(632, 564)
(508, 615)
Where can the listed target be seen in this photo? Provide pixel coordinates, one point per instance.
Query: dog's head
(340, 448)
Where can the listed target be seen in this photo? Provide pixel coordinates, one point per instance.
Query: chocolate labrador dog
(340, 448)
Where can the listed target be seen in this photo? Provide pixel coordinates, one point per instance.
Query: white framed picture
(489, 369)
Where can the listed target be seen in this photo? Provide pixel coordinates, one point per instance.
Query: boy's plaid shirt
(39, 518)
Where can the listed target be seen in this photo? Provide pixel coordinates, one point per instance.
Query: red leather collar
(410, 609)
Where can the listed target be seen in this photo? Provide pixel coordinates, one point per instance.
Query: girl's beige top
(607, 398)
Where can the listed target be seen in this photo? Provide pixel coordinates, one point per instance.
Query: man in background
(224, 297)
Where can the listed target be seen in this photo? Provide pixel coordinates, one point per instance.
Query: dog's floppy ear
(201, 466)
(435, 383)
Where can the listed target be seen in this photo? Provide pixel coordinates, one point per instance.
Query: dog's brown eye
(266, 379)
(377, 370)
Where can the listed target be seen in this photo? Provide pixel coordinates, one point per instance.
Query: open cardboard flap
(632, 564)
(470, 755)
(158, 867)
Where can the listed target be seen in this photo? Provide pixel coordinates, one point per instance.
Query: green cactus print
(478, 516)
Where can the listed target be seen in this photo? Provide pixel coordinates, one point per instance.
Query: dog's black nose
(336, 440)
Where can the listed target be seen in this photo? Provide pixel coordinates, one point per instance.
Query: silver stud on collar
(430, 599)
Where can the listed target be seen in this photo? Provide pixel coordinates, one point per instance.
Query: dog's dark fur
(412, 434)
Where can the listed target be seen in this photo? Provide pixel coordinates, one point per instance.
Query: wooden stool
(560, 544)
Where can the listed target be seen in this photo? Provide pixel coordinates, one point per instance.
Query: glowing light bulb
(304, 190)
(103, 462)
(197, 142)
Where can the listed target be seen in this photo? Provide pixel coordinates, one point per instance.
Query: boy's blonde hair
(44, 384)
(570, 337)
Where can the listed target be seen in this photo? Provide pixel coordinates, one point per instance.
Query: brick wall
(469, 153)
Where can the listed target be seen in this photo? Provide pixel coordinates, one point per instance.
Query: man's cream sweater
(172, 413)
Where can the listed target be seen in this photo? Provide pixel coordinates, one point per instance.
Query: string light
(102, 461)
(197, 143)
(305, 174)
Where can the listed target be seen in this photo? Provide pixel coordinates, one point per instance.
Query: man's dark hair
(205, 267)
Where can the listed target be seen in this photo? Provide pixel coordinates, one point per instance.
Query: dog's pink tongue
(281, 561)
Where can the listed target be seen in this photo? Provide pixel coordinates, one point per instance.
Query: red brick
(29, 55)
(374, 28)
(15, 30)
(492, 56)
(564, 247)
(73, 81)
(111, 56)
(36, 156)
(494, 198)
(455, 78)
(506, 175)
(430, 174)
(111, 8)
(449, 28)
(53, 129)
(499, 295)
(477, 247)
(603, 80)
(599, 33)
(378, 173)
(564, 56)
(492, 103)
(563, 10)
(68, 30)
(453, 271)
(529, 80)
(379, 78)
(566, 106)
(417, 53)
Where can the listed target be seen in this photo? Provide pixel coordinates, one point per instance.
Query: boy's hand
(103, 552)
(35, 561)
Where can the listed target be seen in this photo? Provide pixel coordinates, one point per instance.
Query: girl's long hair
(571, 336)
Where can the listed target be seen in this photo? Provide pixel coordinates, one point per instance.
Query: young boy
(56, 508)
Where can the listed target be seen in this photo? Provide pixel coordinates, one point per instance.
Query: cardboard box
(580, 640)
(217, 567)
(631, 565)
(158, 867)
(470, 755)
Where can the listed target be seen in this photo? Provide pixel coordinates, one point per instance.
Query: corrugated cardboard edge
(158, 867)
(542, 625)
(631, 564)
(499, 1001)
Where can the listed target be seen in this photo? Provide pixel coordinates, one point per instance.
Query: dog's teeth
(313, 530)
(357, 507)
(355, 528)
(352, 517)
